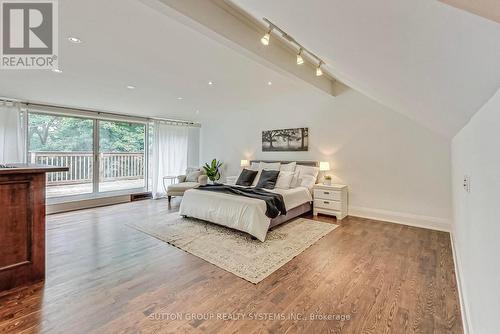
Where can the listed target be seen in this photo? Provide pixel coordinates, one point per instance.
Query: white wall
(396, 170)
(476, 216)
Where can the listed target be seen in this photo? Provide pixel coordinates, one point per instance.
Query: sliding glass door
(103, 156)
(122, 159)
(63, 141)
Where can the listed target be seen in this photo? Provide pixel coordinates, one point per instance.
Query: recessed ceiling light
(56, 70)
(269, 83)
(180, 98)
(75, 40)
(130, 86)
(210, 83)
(197, 112)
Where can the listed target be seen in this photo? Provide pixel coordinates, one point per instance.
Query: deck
(86, 188)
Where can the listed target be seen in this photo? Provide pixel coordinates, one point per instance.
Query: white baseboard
(464, 308)
(86, 204)
(433, 223)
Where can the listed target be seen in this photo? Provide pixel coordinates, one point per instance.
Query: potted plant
(212, 170)
(328, 180)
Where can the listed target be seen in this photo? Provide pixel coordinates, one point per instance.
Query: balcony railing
(113, 166)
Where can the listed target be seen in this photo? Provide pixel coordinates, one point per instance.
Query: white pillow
(307, 181)
(288, 167)
(270, 165)
(284, 180)
(265, 166)
(193, 176)
(295, 180)
(255, 166)
(307, 170)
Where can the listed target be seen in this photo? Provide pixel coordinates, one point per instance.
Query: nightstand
(231, 180)
(330, 200)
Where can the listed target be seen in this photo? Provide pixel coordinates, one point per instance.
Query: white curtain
(193, 147)
(170, 154)
(12, 142)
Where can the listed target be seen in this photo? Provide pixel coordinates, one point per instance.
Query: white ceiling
(433, 62)
(126, 42)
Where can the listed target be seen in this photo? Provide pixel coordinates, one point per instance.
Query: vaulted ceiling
(125, 42)
(433, 62)
(489, 9)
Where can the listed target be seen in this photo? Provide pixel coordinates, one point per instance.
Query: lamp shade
(244, 163)
(324, 166)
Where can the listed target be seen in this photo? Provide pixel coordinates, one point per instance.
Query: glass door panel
(121, 156)
(63, 141)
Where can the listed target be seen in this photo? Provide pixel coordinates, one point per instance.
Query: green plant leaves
(212, 170)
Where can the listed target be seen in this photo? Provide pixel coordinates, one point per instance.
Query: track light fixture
(319, 72)
(265, 39)
(300, 59)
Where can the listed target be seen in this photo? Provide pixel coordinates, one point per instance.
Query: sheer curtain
(170, 154)
(12, 141)
(193, 147)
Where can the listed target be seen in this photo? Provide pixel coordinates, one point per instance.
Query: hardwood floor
(104, 277)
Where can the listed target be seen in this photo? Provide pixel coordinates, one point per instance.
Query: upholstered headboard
(303, 163)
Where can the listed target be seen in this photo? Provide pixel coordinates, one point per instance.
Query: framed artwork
(285, 140)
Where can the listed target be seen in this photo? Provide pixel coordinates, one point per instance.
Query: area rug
(235, 251)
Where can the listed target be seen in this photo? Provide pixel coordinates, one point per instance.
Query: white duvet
(238, 212)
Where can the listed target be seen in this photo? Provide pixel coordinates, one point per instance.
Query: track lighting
(265, 40)
(319, 72)
(300, 60)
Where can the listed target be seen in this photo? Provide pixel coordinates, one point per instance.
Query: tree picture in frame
(285, 140)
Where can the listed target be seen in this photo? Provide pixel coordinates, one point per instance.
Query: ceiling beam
(223, 21)
(489, 9)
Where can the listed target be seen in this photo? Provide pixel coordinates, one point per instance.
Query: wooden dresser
(22, 223)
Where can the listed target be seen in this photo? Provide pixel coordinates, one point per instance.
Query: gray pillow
(268, 179)
(193, 176)
(246, 177)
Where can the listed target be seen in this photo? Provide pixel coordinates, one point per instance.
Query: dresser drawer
(327, 204)
(333, 195)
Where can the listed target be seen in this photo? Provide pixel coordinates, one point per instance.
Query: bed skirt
(295, 212)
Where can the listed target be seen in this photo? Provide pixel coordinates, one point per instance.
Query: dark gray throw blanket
(274, 202)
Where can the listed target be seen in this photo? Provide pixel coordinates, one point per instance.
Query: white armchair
(193, 179)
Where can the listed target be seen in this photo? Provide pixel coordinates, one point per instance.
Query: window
(117, 163)
(63, 141)
(121, 156)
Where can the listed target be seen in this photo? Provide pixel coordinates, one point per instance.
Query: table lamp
(324, 166)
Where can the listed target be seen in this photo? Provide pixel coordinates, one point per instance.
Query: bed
(244, 213)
